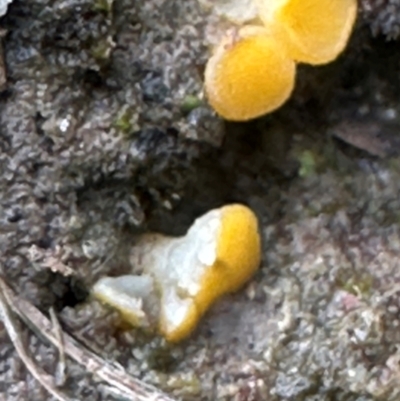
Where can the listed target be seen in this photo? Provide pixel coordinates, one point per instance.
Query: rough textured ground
(101, 139)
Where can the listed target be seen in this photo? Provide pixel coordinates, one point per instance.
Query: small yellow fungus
(249, 75)
(313, 31)
(219, 253)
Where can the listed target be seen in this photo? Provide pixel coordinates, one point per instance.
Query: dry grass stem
(61, 367)
(14, 333)
(115, 376)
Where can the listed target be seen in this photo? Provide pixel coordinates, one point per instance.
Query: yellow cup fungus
(252, 71)
(248, 75)
(313, 31)
(180, 278)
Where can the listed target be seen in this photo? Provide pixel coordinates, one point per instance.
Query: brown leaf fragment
(377, 138)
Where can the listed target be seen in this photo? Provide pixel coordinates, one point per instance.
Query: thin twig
(14, 333)
(114, 375)
(61, 366)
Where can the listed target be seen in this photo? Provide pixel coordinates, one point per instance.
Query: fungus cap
(313, 31)
(219, 253)
(248, 75)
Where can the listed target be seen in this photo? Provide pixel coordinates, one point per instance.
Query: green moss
(329, 209)
(307, 164)
(126, 120)
(394, 164)
(161, 358)
(357, 285)
(101, 50)
(189, 103)
(185, 384)
(103, 6)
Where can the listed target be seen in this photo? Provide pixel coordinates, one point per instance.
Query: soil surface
(104, 135)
